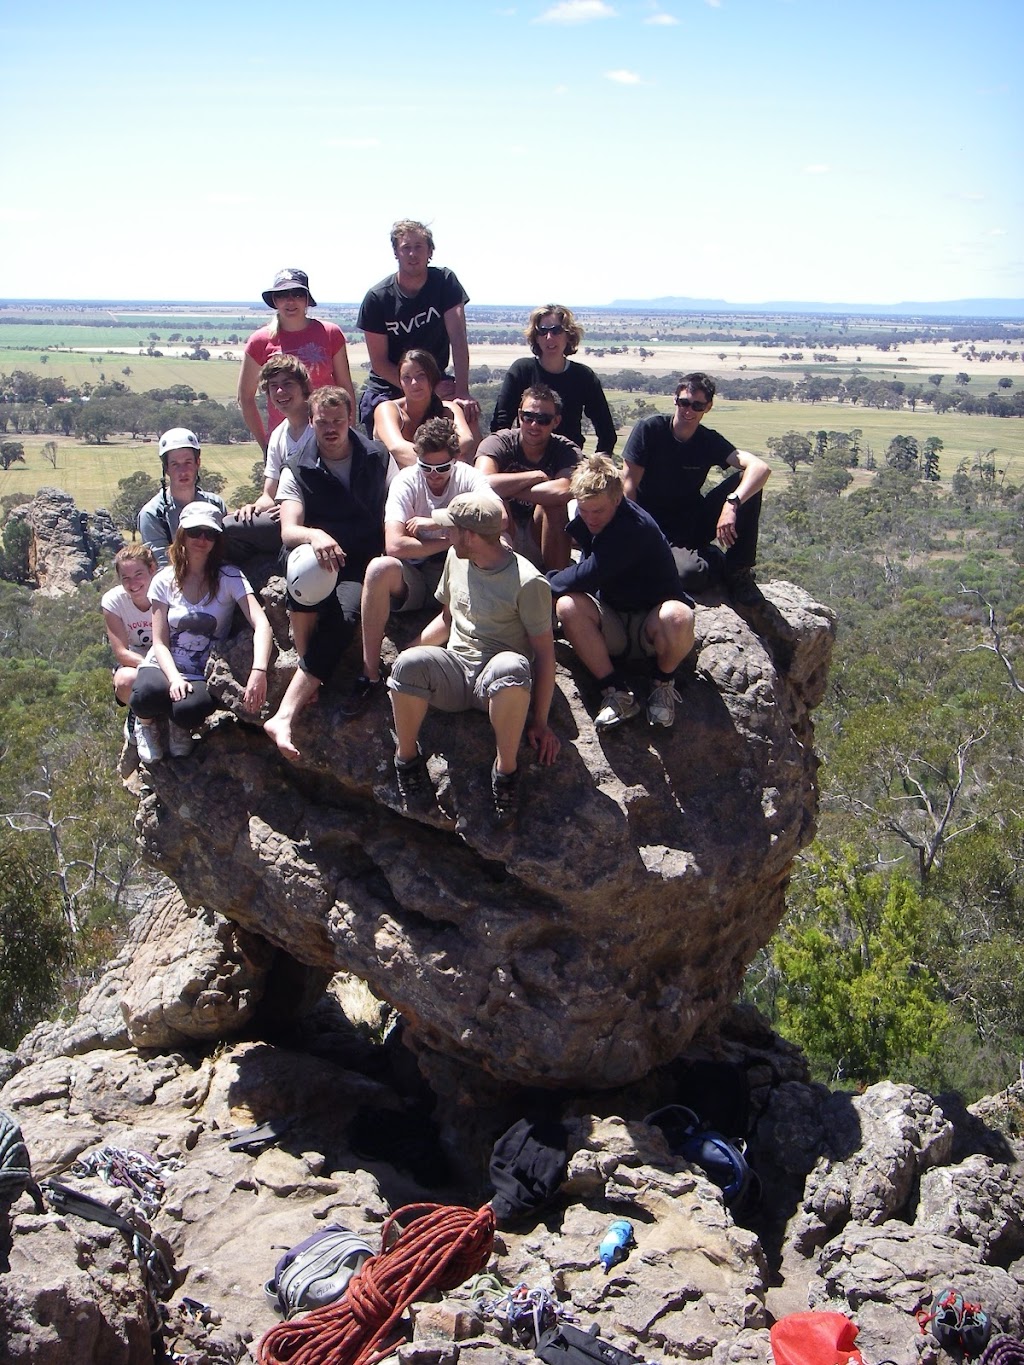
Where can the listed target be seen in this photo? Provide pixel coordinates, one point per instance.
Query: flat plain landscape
(118, 345)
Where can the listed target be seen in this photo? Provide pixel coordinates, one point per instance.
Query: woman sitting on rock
(396, 421)
(193, 603)
(554, 335)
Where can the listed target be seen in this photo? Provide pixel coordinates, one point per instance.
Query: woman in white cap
(193, 603)
(319, 345)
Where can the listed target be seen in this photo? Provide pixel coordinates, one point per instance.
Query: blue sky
(581, 150)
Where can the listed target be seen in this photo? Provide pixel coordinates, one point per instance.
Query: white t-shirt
(410, 496)
(195, 627)
(281, 448)
(137, 621)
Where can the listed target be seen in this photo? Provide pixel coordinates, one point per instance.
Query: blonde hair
(594, 476)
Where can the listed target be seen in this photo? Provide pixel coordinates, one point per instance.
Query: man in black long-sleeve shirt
(622, 599)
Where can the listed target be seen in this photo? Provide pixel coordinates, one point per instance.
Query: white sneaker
(661, 704)
(129, 728)
(618, 706)
(147, 741)
(179, 740)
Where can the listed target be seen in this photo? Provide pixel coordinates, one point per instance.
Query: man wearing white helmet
(179, 485)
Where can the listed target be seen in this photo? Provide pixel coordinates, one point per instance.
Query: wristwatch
(735, 499)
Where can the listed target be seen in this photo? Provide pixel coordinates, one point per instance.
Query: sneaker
(946, 1316)
(975, 1329)
(413, 779)
(618, 706)
(505, 790)
(179, 740)
(129, 728)
(358, 698)
(148, 743)
(661, 704)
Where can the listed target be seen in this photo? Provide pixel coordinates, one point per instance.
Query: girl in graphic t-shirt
(193, 602)
(319, 345)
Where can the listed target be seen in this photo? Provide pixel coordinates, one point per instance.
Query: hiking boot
(148, 743)
(413, 780)
(743, 589)
(359, 697)
(179, 740)
(661, 704)
(505, 790)
(618, 706)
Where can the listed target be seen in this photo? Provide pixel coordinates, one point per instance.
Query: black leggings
(151, 699)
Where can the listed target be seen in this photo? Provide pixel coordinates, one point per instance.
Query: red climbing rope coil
(423, 1247)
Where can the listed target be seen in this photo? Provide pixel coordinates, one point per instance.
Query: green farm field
(90, 473)
(217, 377)
(749, 425)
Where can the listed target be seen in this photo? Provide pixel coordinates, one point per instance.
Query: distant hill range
(950, 308)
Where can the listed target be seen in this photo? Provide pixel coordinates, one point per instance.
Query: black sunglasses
(555, 330)
(694, 403)
(289, 293)
(543, 419)
(201, 533)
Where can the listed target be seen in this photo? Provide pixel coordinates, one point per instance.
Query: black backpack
(568, 1345)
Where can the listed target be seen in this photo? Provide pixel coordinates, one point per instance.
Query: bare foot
(280, 731)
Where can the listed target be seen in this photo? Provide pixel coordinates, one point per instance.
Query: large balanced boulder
(582, 947)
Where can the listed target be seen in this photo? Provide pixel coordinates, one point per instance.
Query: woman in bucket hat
(193, 603)
(319, 345)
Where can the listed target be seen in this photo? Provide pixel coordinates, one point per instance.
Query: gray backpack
(15, 1166)
(317, 1271)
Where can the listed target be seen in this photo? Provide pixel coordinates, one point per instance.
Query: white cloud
(623, 77)
(666, 20)
(575, 12)
(560, 90)
(817, 168)
(715, 4)
(18, 215)
(226, 199)
(352, 144)
(996, 232)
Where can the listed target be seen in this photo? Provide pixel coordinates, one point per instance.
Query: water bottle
(615, 1244)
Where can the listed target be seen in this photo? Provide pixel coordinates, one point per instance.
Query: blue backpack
(722, 1161)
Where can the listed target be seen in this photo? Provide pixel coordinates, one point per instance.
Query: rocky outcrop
(697, 1286)
(583, 948)
(66, 542)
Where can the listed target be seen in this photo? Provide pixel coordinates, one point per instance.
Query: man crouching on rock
(496, 615)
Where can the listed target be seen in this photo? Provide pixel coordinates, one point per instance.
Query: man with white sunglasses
(407, 574)
(668, 459)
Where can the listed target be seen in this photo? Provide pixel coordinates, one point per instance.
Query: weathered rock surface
(697, 1286)
(586, 946)
(66, 542)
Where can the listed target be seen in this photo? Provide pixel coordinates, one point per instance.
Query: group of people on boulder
(516, 535)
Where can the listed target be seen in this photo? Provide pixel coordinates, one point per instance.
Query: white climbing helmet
(309, 582)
